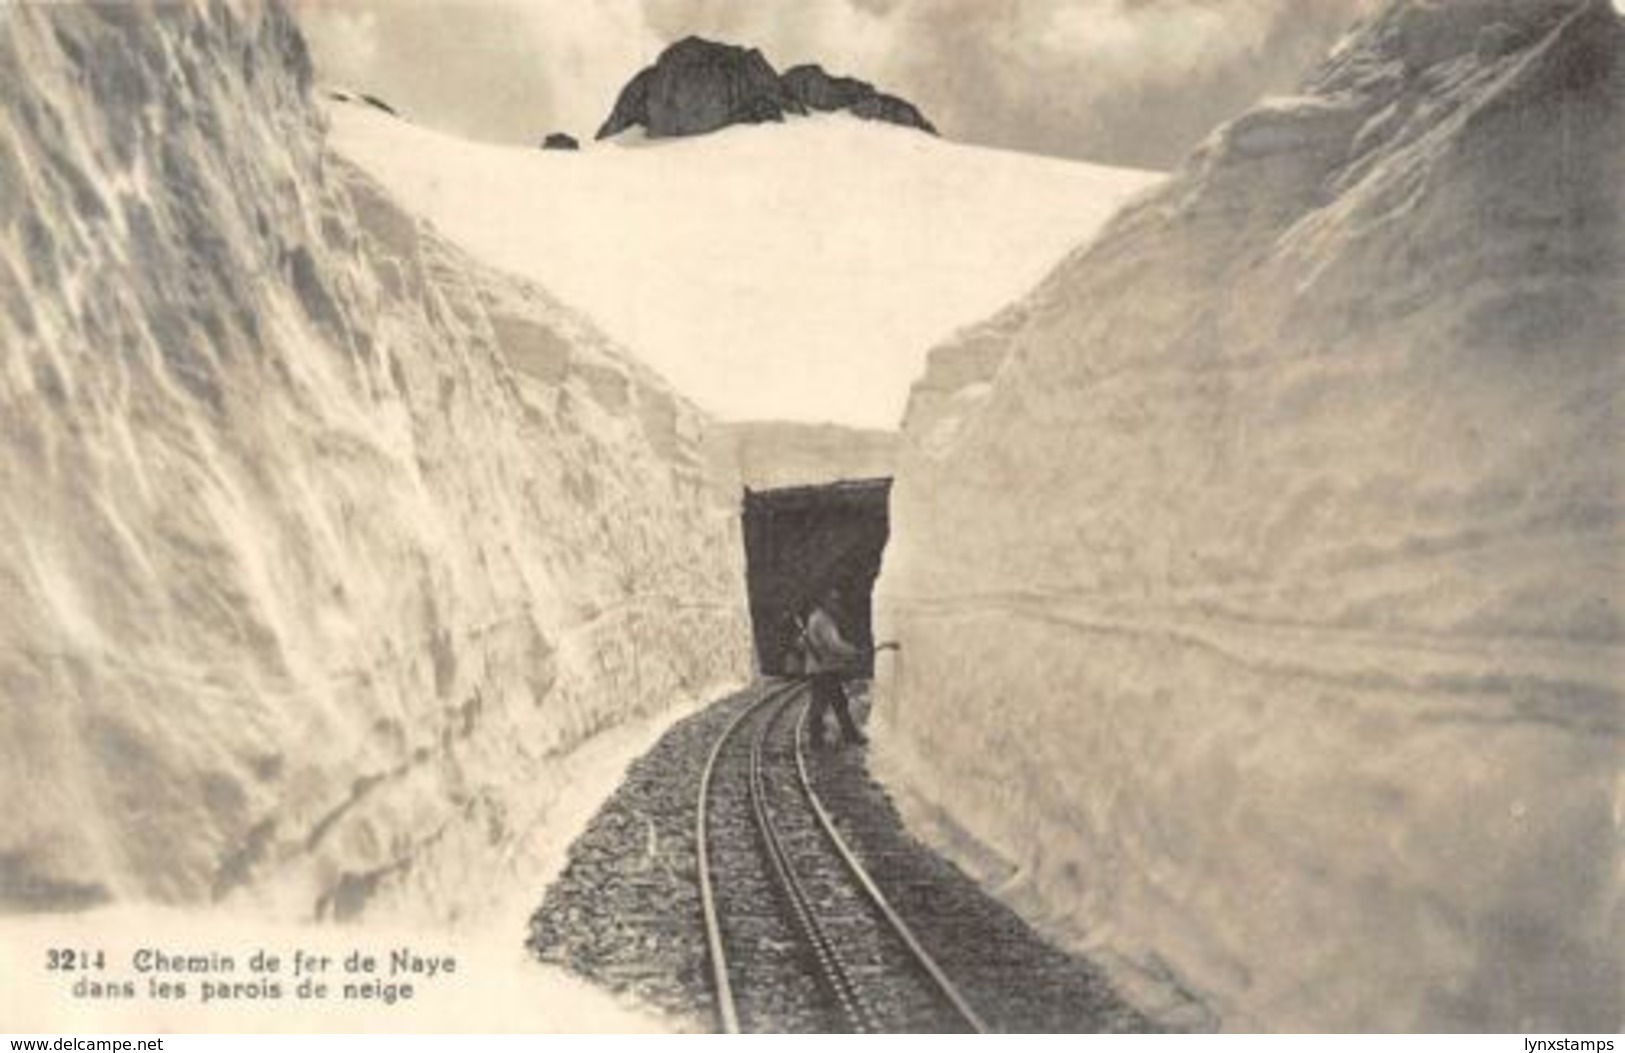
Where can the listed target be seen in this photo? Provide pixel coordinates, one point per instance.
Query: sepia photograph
(812, 516)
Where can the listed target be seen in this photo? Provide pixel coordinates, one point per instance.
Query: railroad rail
(796, 929)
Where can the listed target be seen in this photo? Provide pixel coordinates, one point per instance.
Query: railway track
(798, 934)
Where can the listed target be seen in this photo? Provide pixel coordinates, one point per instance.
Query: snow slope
(1259, 576)
(782, 272)
(321, 544)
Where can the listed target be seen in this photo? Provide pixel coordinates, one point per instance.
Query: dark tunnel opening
(801, 540)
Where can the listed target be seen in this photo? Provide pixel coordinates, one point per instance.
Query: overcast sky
(1134, 82)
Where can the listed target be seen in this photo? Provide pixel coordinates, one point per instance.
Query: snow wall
(1259, 576)
(319, 543)
(772, 454)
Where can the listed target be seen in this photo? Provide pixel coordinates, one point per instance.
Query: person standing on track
(830, 659)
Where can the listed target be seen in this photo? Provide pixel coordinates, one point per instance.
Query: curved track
(798, 934)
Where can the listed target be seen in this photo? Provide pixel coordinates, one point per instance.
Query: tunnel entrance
(799, 541)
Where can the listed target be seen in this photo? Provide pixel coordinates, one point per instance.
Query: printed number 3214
(64, 960)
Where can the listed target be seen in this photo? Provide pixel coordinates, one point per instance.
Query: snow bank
(1259, 576)
(795, 272)
(770, 454)
(497, 985)
(321, 544)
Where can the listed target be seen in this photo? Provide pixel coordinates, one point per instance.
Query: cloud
(1129, 81)
(349, 39)
(1125, 81)
(502, 70)
(850, 36)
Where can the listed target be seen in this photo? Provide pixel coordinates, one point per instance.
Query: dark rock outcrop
(817, 89)
(560, 141)
(699, 86)
(359, 98)
(379, 104)
(362, 99)
(892, 110)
